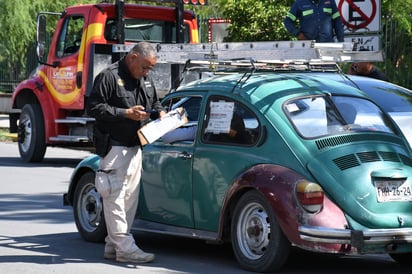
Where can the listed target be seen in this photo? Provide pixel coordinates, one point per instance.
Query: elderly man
(122, 98)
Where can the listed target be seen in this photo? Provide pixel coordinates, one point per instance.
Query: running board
(80, 130)
(70, 139)
(75, 120)
(153, 227)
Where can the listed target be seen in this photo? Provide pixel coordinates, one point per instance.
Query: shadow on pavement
(70, 248)
(47, 162)
(42, 208)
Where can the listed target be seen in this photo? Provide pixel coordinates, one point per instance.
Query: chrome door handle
(185, 155)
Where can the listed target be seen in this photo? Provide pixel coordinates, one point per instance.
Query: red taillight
(310, 196)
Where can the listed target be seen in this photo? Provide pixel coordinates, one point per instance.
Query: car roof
(259, 85)
(389, 96)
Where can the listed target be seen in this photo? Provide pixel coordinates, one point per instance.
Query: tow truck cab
(52, 101)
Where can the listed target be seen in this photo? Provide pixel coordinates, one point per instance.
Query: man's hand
(161, 114)
(137, 113)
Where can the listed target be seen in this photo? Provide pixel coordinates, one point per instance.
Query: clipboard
(159, 127)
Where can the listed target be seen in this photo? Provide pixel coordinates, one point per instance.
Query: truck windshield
(327, 115)
(136, 30)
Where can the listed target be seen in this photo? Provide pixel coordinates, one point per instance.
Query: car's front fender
(90, 163)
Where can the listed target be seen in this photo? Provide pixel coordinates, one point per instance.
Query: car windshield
(135, 30)
(327, 115)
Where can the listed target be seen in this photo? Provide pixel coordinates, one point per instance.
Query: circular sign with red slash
(365, 19)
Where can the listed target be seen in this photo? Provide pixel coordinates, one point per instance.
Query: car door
(66, 77)
(166, 190)
(225, 149)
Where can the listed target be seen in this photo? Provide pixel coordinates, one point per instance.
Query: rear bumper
(360, 239)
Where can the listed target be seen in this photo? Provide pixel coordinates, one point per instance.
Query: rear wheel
(88, 210)
(31, 133)
(258, 242)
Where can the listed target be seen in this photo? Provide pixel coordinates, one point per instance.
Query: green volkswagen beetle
(273, 160)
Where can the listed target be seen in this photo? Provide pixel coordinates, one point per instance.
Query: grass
(6, 136)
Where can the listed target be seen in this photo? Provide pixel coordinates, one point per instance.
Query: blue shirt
(318, 20)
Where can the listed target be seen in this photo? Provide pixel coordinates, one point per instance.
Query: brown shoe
(109, 252)
(138, 256)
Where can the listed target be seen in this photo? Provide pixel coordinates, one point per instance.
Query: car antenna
(346, 77)
(185, 68)
(246, 75)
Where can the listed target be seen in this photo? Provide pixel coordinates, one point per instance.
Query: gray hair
(144, 49)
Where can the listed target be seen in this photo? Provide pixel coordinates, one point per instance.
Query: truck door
(66, 77)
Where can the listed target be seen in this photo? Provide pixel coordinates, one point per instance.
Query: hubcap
(253, 231)
(90, 209)
(24, 133)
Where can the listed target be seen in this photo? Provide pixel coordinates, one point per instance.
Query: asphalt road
(38, 234)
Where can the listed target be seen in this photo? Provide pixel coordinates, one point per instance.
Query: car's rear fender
(278, 184)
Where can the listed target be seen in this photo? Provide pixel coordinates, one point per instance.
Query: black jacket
(114, 91)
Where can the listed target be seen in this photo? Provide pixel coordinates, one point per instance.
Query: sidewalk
(4, 121)
(4, 126)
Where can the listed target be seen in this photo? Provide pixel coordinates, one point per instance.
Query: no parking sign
(359, 16)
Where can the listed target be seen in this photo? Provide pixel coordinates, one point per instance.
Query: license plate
(393, 191)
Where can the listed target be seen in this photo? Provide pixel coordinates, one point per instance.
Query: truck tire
(258, 242)
(31, 134)
(88, 210)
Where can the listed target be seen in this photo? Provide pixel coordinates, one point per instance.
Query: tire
(402, 258)
(257, 239)
(88, 210)
(31, 134)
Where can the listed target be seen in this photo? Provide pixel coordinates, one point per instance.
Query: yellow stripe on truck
(93, 31)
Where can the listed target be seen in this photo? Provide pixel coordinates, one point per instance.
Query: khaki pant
(119, 187)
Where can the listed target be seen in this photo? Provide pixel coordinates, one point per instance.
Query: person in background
(317, 20)
(122, 98)
(367, 69)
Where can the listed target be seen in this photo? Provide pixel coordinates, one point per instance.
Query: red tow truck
(52, 101)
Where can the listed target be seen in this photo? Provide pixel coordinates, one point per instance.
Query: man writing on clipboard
(122, 99)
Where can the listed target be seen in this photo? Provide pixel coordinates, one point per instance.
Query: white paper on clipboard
(156, 129)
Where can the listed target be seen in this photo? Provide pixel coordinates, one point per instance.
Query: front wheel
(257, 239)
(88, 210)
(31, 133)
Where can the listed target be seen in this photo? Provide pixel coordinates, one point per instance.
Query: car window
(390, 97)
(150, 30)
(229, 122)
(70, 36)
(188, 131)
(324, 115)
(191, 104)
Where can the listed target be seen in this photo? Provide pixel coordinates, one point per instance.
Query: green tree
(256, 20)
(18, 27)
(397, 43)
(401, 10)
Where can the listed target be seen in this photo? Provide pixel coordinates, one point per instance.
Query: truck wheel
(88, 210)
(257, 239)
(31, 133)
